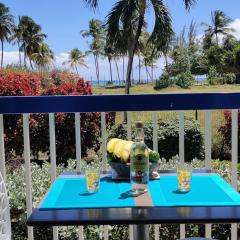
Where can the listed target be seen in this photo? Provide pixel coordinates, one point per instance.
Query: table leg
(141, 232)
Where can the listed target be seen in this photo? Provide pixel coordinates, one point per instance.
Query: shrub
(168, 138)
(41, 182)
(216, 79)
(185, 80)
(226, 129)
(163, 82)
(17, 83)
(229, 78)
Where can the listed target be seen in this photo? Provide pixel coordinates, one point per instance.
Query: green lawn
(217, 115)
(138, 89)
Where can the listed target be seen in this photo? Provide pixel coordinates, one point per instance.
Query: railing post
(234, 162)
(78, 140)
(53, 158)
(28, 179)
(2, 149)
(181, 156)
(104, 157)
(155, 148)
(129, 125)
(208, 156)
(78, 158)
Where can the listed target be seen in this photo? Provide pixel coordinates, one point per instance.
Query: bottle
(139, 162)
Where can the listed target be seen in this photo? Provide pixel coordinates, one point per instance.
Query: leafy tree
(76, 57)
(185, 52)
(97, 34)
(220, 25)
(43, 57)
(6, 26)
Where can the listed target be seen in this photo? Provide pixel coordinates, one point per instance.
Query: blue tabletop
(206, 190)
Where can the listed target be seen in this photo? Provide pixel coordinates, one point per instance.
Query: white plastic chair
(5, 222)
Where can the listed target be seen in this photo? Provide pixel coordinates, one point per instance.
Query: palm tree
(6, 26)
(31, 37)
(125, 23)
(109, 54)
(17, 38)
(220, 25)
(43, 57)
(76, 58)
(96, 32)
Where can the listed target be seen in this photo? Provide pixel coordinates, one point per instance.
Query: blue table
(211, 200)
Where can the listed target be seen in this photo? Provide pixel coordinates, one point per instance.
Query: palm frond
(162, 31)
(113, 22)
(92, 3)
(189, 3)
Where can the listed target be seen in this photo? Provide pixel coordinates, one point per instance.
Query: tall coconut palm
(6, 26)
(220, 25)
(76, 58)
(43, 58)
(109, 54)
(31, 37)
(17, 38)
(96, 32)
(128, 16)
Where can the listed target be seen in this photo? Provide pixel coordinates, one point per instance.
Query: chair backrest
(5, 221)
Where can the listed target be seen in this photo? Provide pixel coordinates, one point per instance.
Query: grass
(140, 89)
(217, 115)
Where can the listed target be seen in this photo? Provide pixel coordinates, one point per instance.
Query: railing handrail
(109, 103)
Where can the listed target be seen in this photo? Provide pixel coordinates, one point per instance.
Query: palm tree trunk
(97, 69)
(117, 70)
(146, 72)
(19, 54)
(152, 72)
(216, 38)
(95, 62)
(123, 68)
(76, 70)
(166, 62)
(2, 54)
(132, 75)
(25, 57)
(30, 61)
(110, 67)
(139, 69)
(131, 53)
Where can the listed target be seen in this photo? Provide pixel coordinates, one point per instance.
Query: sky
(62, 21)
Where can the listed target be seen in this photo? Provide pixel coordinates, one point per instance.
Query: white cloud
(236, 25)
(12, 57)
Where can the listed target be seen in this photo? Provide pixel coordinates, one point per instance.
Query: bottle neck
(139, 135)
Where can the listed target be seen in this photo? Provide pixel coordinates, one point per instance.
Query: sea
(199, 80)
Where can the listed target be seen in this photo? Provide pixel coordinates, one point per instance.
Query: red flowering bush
(226, 129)
(24, 84)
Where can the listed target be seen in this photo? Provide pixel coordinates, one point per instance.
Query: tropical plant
(76, 58)
(6, 26)
(184, 51)
(125, 23)
(43, 57)
(30, 36)
(108, 51)
(17, 38)
(96, 32)
(220, 25)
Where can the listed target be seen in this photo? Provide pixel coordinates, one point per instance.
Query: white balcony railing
(154, 103)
